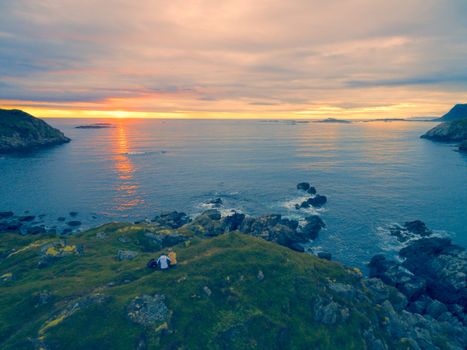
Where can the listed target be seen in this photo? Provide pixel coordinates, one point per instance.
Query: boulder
(173, 219)
(126, 254)
(311, 229)
(148, 311)
(27, 218)
(418, 227)
(311, 190)
(216, 203)
(317, 201)
(233, 221)
(436, 309)
(303, 186)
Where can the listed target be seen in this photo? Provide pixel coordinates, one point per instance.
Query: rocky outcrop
(458, 112)
(20, 131)
(453, 131)
(148, 311)
(410, 230)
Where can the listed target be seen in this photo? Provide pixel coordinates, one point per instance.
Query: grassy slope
(241, 313)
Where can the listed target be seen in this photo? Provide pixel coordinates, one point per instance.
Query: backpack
(152, 264)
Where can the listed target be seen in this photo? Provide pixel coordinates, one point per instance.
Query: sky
(233, 59)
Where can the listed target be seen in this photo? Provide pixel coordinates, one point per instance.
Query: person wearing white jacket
(163, 262)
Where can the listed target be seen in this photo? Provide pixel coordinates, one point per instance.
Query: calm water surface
(373, 174)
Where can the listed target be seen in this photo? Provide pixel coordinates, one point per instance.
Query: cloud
(205, 55)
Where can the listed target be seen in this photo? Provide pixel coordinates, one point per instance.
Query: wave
(390, 243)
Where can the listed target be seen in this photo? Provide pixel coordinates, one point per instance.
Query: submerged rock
(303, 186)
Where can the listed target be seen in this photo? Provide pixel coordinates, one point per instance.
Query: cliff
(20, 131)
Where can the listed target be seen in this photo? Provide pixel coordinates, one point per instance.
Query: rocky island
(20, 131)
(334, 120)
(453, 129)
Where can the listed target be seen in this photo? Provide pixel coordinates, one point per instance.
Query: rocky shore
(231, 262)
(20, 131)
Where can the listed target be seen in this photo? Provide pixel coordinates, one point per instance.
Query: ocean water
(373, 173)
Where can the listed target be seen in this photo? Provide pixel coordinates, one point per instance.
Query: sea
(374, 174)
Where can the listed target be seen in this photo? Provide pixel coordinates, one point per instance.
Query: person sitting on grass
(163, 262)
(173, 258)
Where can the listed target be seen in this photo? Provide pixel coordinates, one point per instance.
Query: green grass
(242, 312)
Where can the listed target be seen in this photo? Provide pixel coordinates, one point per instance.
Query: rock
(418, 227)
(329, 312)
(35, 230)
(442, 265)
(148, 311)
(172, 219)
(410, 230)
(324, 255)
(233, 221)
(207, 291)
(311, 190)
(6, 214)
(312, 227)
(413, 288)
(316, 201)
(27, 218)
(303, 186)
(20, 131)
(451, 131)
(74, 223)
(378, 290)
(435, 309)
(172, 239)
(297, 247)
(212, 214)
(61, 218)
(216, 203)
(260, 275)
(73, 214)
(292, 224)
(126, 254)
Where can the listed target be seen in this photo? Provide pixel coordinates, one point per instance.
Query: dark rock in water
(20, 131)
(215, 202)
(311, 190)
(27, 218)
(74, 223)
(452, 131)
(173, 219)
(66, 231)
(324, 255)
(61, 218)
(318, 200)
(6, 214)
(418, 227)
(293, 224)
(412, 229)
(313, 226)
(303, 186)
(73, 214)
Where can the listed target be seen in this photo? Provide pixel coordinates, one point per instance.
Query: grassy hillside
(229, 292)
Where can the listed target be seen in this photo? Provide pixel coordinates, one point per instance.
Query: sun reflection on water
(127, 190)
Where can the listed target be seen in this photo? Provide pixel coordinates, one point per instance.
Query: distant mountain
(458, 112)
(334, 120)
(20, 131)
